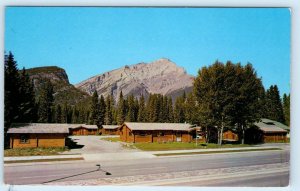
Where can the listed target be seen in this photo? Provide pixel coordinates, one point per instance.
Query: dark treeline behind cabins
(224, 96)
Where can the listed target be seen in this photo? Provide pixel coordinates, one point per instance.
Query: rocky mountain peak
(161, 76)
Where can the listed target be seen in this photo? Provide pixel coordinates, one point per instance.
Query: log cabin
(82, 129)
(157, 132)
(110, 130)
(271, 132)
(230, 136)
(37, 135)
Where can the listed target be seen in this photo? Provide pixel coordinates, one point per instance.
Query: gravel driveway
(94, 145)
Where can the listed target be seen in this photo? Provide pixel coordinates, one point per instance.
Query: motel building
(110, 130)
(158, 132)
(30, 135)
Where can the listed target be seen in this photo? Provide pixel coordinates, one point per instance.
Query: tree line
(224, 96)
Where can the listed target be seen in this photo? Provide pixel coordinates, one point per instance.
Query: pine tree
(45, 102)
(142, 112)
(179, 114)
(109, 110)
(274, 106)
(170, 110)
(121, 110)
(27, 107)
(102, 110)
(191, 112)
(130, 116)
(286, 108)
(58, 114)
(94, 110)
(75, 115)
(11, 90)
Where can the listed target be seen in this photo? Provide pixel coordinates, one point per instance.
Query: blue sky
(89, 41)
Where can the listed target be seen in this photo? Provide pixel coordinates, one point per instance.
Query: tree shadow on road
(71, 144)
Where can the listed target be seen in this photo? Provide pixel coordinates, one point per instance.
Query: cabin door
(178, 137)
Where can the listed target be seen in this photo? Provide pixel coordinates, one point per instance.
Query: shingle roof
(160, 126)
(46, 127)
(278, 124)
(110, 126)
(74, 126)
(39, 128)
(269, 127)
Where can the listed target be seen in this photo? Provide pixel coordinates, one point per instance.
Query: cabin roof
(269, 127)
(110, 126)
(46, 127)
(38, 128)
(160, 126)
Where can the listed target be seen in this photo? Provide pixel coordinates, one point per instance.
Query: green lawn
(182, 146)
(33, 151)
(112, 139)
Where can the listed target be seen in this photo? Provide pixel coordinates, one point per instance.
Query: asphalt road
(280, 179)
(62, 172)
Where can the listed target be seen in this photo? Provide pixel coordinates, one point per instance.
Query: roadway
(262, 168)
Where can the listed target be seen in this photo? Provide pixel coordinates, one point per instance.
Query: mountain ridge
(161, 76)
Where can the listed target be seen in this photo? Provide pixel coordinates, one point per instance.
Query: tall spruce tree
(274, 105)
(11, 90)
(130, 116)
(45, 102)
(102, 110)
(142, 111)
(58, 114)
(94, 110)
(27, 106)
(170, 110)
(109, 110)
(179, 109)
(191, 112)
(286, 108)
(121, 110)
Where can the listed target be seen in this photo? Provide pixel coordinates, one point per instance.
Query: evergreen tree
(94, 110)
(136, 109)
(130, 116)
(45, 102)
(121, 110)
(58, 114)
(191, 112)
(65, 113)
(102, 110)
(286, 108)
(75, 115)
(273, 104)
(142, 112)
(109, 110)
(179, 109)
(11, 90)
(27, 107)
(170, 110)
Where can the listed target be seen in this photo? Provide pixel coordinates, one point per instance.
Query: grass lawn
(182, 146)
(33, 151)
(111, 139)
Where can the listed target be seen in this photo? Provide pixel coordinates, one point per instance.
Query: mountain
(63, 90)
(161, 76)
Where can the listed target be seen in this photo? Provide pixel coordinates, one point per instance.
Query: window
(24, 139)
(161, 133)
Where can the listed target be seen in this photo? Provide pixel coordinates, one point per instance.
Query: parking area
(94, 144)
